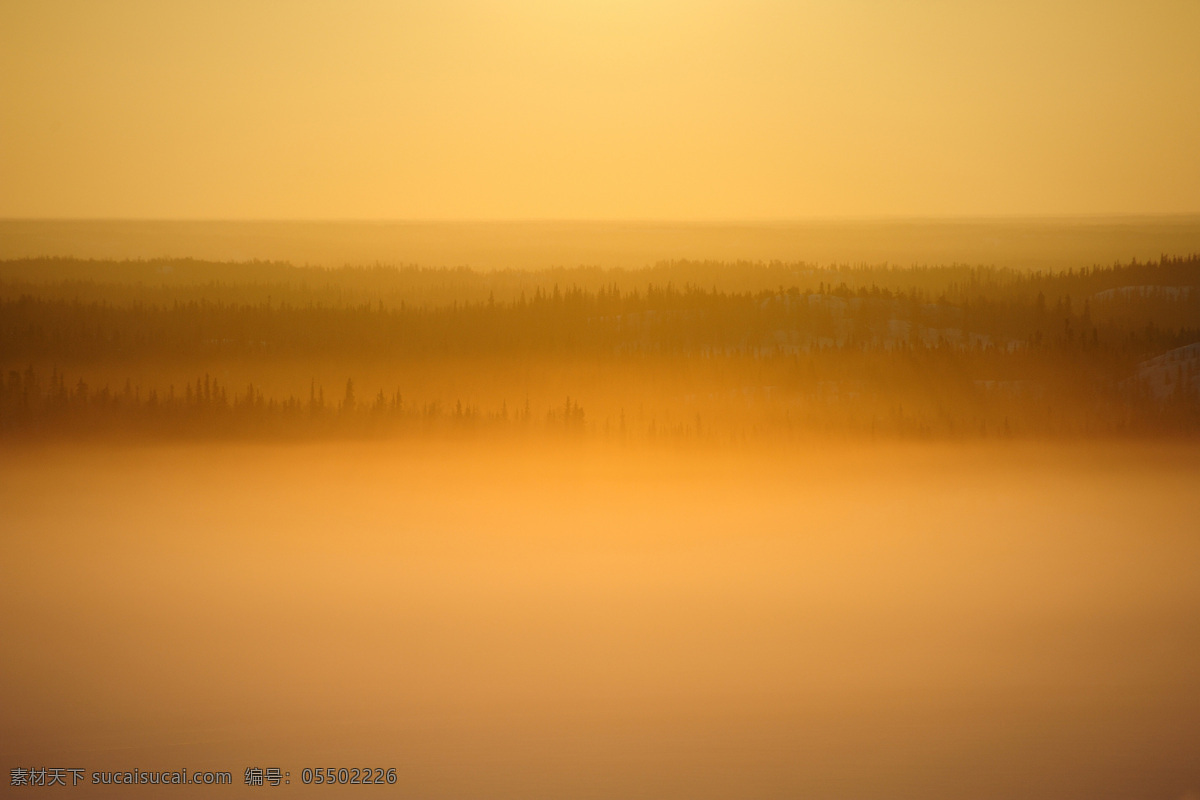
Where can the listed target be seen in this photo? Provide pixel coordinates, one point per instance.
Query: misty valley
(684, 351)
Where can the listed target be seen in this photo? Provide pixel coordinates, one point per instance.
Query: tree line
(927, 351)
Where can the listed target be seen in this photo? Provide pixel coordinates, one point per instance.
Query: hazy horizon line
(682, 221)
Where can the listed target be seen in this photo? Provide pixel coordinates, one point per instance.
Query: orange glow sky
(597, 109)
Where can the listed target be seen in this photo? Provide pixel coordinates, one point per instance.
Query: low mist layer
(686, 350)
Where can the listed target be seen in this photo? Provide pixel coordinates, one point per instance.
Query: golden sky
(605, 109)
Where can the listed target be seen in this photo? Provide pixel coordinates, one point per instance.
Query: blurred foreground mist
(586, 620)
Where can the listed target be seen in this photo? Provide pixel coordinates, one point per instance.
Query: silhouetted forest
(681, 349)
